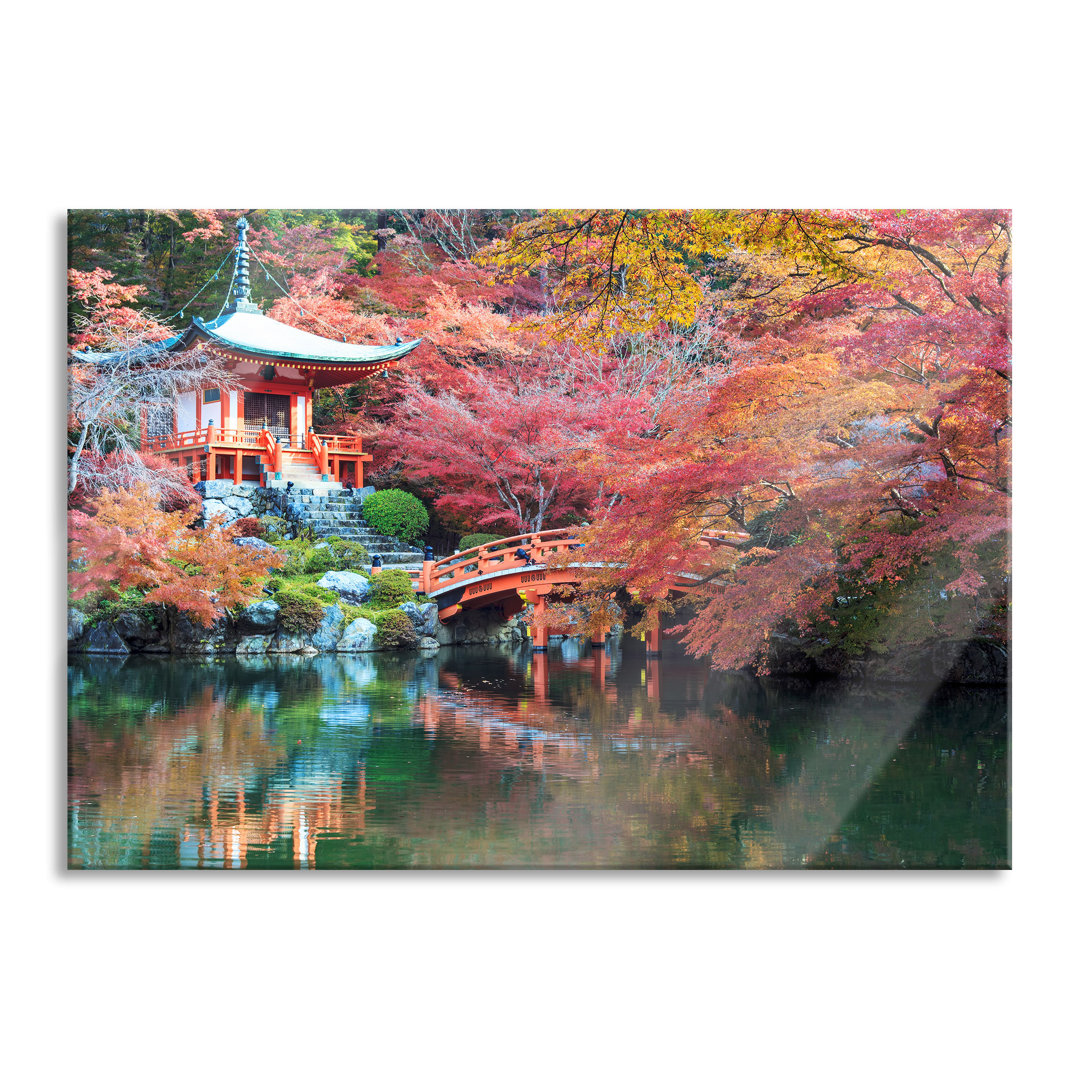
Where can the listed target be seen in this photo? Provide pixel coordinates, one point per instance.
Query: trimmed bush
(391, 587)
(394, 512)
(394, 630)
(302, 606)
(477, 540)
(338, 555)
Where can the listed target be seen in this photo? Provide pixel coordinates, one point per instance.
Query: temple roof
(244, 329)
(254, 333)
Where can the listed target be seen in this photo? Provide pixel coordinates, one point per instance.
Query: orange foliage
(128, 542)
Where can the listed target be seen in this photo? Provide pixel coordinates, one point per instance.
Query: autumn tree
(119, 377)
(127, 542)
(858, 424)
(509, 452)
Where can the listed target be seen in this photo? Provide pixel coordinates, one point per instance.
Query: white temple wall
(185, 411)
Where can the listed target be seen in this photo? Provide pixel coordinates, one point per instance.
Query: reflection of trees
(496, 759)
(201, 755)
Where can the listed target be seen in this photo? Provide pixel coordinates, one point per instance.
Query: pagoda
(259, 430)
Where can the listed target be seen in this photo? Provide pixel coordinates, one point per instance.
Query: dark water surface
(497, 758)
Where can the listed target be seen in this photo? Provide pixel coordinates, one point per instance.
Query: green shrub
(298, 555)
(390, 588)
(302, 606)
(394, 512)
(477, 540)
(110, 604)
(274, 527)
(319, 561)
(338, 555)
(394, 630)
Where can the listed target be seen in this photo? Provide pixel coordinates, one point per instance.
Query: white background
(605, 974)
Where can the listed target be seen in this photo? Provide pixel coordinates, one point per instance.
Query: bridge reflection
(571, 757)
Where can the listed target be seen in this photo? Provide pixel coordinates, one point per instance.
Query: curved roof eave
(260, 336)
(256, 335)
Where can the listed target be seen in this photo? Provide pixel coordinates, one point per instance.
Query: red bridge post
(539, 633)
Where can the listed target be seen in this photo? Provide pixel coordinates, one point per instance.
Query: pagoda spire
(242, 288)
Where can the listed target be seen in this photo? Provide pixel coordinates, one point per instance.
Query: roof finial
(242, 288)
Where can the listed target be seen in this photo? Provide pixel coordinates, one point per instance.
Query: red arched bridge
(496, 575)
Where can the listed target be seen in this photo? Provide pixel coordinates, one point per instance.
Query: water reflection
(581, 757)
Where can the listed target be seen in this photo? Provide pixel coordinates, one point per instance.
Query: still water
(499, 758)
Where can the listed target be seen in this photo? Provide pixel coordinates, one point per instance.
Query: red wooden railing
(272, 448)
(498, 555)
(476, 562)
(211, 435)
(343, 444)
(321, 452)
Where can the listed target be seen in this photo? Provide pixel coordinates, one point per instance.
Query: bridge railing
(498, 555)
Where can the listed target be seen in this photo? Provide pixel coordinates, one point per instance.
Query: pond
(502, 758)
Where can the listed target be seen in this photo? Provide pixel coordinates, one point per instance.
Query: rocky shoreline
(257, 630)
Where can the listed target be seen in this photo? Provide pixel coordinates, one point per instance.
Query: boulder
(253, 542)
(429, 644)
(216, 489)
(260, 618)
(424, 617)
(238, 503)
(140, 630)
(326, 638)
(353, 588)
(253, 644)
(285, 641)
(76, 625)
(104, 639)
(359, 636)
(216, 510)
(188, 636)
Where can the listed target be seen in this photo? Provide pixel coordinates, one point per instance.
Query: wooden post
(599, 638)
(540, 633)
(425, 573)
(652, 642)
(211, 460)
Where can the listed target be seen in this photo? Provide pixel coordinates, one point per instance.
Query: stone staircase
(340, 513)
(301, 473)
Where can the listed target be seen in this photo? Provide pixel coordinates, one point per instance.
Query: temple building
(260, 431)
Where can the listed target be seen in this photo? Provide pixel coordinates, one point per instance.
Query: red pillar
(652, 642)
(540, 633)
(599, 637)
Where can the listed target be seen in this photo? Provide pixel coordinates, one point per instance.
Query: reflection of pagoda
(232, 830)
